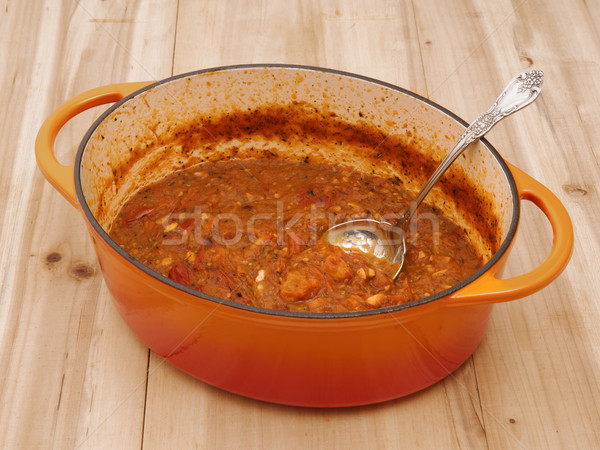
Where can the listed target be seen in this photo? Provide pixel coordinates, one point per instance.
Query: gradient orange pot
(323, 360)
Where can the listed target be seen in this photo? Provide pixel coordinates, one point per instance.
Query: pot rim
(272, 312)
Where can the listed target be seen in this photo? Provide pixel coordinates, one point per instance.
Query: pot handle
(490, 289)
(61, 176)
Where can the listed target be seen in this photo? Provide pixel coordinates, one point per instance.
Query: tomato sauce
(248, 231)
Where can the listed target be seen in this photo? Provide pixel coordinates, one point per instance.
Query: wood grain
(72, 375)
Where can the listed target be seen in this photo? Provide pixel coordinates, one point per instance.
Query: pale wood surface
(72, 375)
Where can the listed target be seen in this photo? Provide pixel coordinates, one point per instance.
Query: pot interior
(297, 113)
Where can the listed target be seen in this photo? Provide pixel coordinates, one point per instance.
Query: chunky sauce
(248, 231)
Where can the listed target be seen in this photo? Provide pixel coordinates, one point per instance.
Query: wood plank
(523, 405)
(232, 421)
(72, 373)
(216, 33)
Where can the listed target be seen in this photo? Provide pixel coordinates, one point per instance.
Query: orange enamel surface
(61, 176)
(491, 289)
(292, 360)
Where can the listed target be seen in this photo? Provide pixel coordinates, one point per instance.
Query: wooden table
(72, 375)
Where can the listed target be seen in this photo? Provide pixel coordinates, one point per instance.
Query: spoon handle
(520, 92)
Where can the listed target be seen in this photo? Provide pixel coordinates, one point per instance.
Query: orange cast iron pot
(324, 360)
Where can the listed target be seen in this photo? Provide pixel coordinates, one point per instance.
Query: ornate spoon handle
(520, 92)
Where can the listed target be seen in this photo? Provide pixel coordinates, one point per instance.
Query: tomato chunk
(298, 286)
(180, 273)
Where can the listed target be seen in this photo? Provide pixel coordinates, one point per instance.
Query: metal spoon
(387, 241)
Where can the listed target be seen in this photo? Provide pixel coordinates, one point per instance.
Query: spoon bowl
(385, 241)
(380, 239)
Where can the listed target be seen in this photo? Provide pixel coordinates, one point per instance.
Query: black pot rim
(391, 309)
